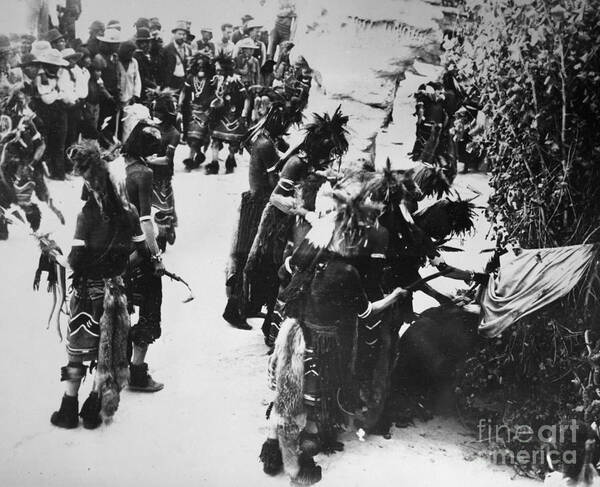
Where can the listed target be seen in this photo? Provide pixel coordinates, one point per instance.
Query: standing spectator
(56, 39)
(260, 52)
(51, 109)
(93, 44)
(96, 93)
(76, 85)
(240, 32)
(156, 46)
(246, 66)
(41, 13)
(68, 15)
(130, 84)
(109, 109)
(174, 58)
(205, 45)
(226, 46)
(144, 60)
(285, 25)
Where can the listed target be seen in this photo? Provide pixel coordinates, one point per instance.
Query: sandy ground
(206, 427)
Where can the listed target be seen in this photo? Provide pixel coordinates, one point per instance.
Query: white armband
(366, 312)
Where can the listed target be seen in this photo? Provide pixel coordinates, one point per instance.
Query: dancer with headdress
(266, 139)
(197, 95)
(22, 147)
(164, 109)
(228, 125)
(313, 364)
(107, 236)
(324, 143)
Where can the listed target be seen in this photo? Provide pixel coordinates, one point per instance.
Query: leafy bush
(534, 66)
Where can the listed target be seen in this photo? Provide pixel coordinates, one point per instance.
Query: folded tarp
(530, 280)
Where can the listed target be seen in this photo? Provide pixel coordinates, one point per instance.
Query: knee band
(73, 371)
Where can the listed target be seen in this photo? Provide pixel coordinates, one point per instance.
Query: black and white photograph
(348, 243)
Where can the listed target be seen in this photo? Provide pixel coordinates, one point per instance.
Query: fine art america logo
(549, 436)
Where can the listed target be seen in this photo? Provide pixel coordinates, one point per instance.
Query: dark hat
(4, 43)
(183, 25)
(155, 23)
(142, 34)
(247, 17)
(127, 47)
(96, 26)
(142, 22)
(54, 35)
(113, 24)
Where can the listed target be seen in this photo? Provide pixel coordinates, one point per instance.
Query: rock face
(363, 49)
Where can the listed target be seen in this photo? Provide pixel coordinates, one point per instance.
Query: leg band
(73, 371)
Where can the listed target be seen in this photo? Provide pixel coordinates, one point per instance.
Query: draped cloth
(531, 280)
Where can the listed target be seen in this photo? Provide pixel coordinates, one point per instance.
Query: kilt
(83, 330)
(198, 128)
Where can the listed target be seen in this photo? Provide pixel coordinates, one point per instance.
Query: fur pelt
(287, 366)
(113, 367)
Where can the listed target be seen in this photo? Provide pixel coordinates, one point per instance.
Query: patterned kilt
(163, 199)
(83, 330)
(230, 129)
(198, 129)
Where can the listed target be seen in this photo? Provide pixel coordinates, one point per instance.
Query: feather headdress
(163, 101)
(327, 132)
(431, 179)
(446, 218)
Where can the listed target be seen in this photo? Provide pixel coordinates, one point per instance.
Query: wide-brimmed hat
(38, 47)
(247, 17)
(71, 55)
(54, 35)
(183, 25)
(53, 57)
(111, 36)
(142, 34)
(246, 43)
